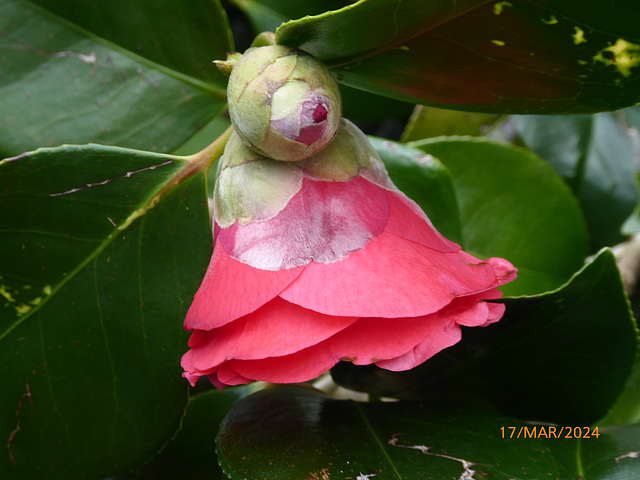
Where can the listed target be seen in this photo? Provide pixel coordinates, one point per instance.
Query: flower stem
(203, 160)
(196, 163)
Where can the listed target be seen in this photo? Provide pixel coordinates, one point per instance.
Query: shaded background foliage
(102, 246)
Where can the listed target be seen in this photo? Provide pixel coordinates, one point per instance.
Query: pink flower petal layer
(231, 289)
(346, 271)
(278, 328)
(390, 277)
(373, 339)
(297, 367)
(407, 221)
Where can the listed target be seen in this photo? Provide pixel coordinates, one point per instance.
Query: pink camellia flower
(324, 260)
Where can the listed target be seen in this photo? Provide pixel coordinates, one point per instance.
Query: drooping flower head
(322, 260)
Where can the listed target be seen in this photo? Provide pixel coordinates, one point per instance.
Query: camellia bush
(397, 238)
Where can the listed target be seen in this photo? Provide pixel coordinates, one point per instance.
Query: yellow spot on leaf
(498, 7)
(36, 301)
(623, 55)
(5, 293)
(552, 20)
(578, 37)
(22, 309)
(47, 290)
(498, 42)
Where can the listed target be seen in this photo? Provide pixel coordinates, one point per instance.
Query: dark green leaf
(491, 56)
(627, 408)
(289, 432)
(594, 153)
(561, 357)
(513, 205)
(191, 454)
(569, 353)
(358, 105)
(426, 181)
(361, 106)
(136, 74)
(101, 252)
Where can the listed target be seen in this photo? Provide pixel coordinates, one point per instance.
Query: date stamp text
(548, 431)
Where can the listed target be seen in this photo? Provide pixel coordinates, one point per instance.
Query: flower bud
(283, 102)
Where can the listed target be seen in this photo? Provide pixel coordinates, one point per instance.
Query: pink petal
(496, 311)
(301, 366)
(276, 329)
(406, 220)
(505, 271)
(227, 376)
(311, 133)
(444, 334)
(390, 277)
(193, 379)
(213, 378)
(190, 372)
(472, 311)
(373, 339)
(231, 289)
(468, 311)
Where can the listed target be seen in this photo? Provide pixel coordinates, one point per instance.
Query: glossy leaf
(358, 105)
(503, 212)
(577, 345)
(426, 181)
(428, 122)
(594, 153)
(191, 454)
(289, 432)
(627, 408)
(135, 74)
(267, 15)
(102, 249)
(499, 57)
(361, 106)
(560, 357)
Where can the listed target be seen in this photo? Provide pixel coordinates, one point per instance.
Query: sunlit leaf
(514, 205)
(594, 153)
(428, 122)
